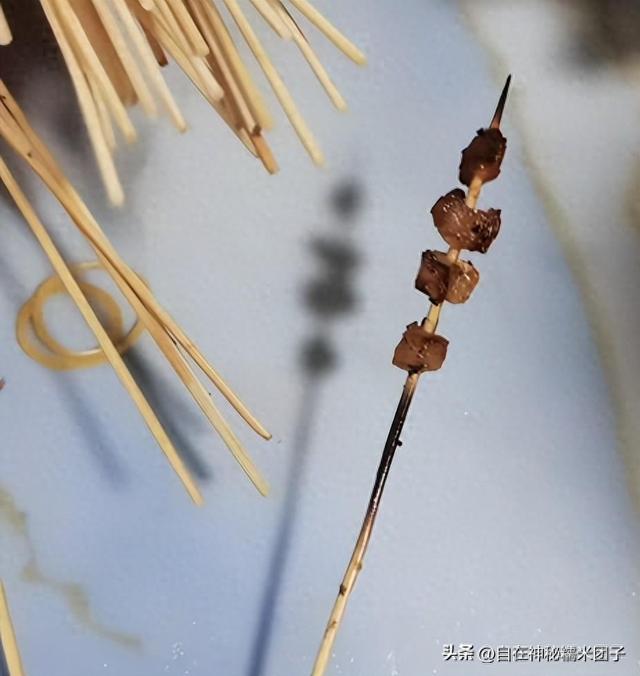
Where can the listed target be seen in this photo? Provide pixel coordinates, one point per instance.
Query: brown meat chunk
(483, 156)
(463, 279)
(440, 279)
(463, 227)
(419, 351)
(433, 276)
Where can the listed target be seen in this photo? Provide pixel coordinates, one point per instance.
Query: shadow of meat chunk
(420, 351)
(442, 279)
(463, 227)
(483, 156)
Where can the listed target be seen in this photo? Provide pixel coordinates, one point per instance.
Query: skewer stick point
(497, 116)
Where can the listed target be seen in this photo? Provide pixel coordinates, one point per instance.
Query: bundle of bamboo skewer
(114, 49)
(170, 338)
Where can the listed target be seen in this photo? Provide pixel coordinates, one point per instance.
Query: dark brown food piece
(433, 276)
(419, 351)
(441, 279)
(463, 279)
(463, 227)
(483, 156)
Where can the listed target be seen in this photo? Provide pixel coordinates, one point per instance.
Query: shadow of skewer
(326, 297)
(286, 530)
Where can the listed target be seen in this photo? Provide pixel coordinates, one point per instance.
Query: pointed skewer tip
(497, 117)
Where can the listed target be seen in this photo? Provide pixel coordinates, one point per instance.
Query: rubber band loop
(49, 352)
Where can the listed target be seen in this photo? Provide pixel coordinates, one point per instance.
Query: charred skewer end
(497, 116)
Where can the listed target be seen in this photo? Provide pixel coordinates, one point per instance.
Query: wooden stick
(126, 57)
(180, 365)
(105, 343)
(229, 81)
(78, 36)
(193, 66)
(355, 564)
(190, 29)
(5, 32)
(312, 59)
(347, 585)
(105, 50)
(77, 209)
(87, 106)
(252, 95)
(273, 18)
(164, 15)
(278, 86)
(8, 641)
(330, 31)
(156, 48)
(103, 113)
(145, 52)
(183, 370)
(265, 154)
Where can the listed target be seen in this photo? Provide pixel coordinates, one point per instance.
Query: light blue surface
(506, 520)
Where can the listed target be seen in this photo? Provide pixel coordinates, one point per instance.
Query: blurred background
(511, 516)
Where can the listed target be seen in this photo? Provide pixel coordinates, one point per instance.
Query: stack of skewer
(114, 50)
(170, 338)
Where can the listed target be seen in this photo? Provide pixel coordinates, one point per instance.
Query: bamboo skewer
(278, 86)
(181, 366)
(144, 47)
(8, 641)
(189, 27)
(96, 238)
(113, 50)
(88, 314)
(55, 179)
(126, 57)
(272, 17)
(5, 32)
(77, 36)
(332, 33)
(193, 67)
(103, 46)
(245, 82)
(311, 57)
(28, 145)
(231, 86)
(163, 14)
(87, 105)
(354, 567)
(106, 126)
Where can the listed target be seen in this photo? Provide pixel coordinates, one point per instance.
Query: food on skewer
(463, 227)
(421, 349)
(443, 279)
(482, 158)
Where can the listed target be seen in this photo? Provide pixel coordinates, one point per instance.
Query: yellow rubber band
(50, 352)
